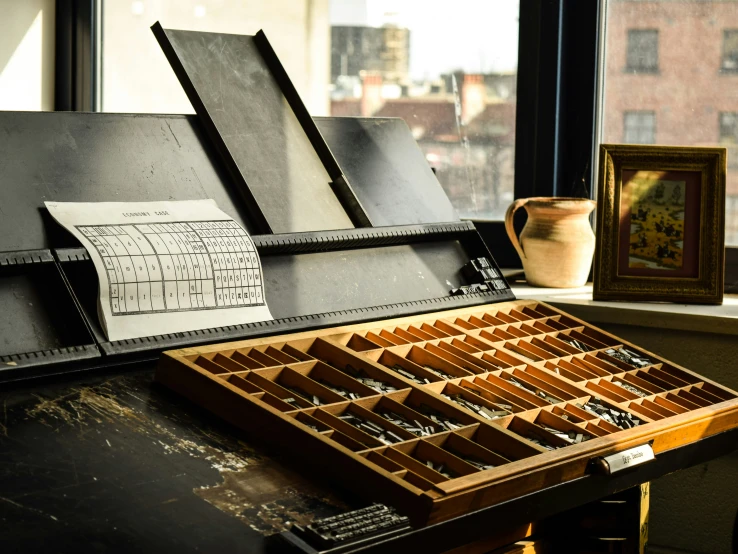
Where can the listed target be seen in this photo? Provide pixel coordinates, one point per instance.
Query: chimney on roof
(473, 96)
(371, 93)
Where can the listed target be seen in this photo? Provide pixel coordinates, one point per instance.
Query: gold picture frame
(660, 224)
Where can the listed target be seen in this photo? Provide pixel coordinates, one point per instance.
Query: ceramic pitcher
(557, 242)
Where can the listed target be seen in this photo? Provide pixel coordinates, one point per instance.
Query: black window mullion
(75, 59)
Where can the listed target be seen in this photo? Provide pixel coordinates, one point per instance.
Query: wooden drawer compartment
(399, 410)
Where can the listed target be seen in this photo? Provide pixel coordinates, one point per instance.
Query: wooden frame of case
(480, 348)
(707, 288)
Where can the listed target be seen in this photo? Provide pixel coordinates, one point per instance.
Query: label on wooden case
(629, 458)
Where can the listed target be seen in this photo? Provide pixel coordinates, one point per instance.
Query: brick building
(671, 77)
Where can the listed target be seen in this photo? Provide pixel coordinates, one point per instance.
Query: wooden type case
(517, 359)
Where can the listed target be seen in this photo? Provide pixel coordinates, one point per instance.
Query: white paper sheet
(167, 267)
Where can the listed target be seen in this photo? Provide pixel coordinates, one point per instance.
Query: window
(730, 51)
(729, 136)
(639, 127)
(643, 51)
(694, 101)
(380, 58)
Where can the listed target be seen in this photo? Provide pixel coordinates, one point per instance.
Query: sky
(478, 36)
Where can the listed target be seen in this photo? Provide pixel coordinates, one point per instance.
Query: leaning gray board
(254, 128)
(387, 170)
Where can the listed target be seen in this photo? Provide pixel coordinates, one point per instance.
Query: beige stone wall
(138, 78)
(27, 55)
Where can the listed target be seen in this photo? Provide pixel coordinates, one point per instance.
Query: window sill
(641, 71)
(578, 302)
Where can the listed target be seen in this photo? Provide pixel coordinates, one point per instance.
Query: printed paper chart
(189, 265)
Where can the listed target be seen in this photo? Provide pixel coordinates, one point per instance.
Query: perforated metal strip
(305, 322)
(53, 355)
(22, 257)
(322, 241)
(72, 254)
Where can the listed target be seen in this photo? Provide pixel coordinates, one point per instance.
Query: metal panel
(387, 170)
(254, 128)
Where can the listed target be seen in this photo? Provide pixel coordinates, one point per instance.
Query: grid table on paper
(166, 267)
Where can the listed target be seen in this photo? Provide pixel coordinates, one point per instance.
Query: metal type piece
(631, 388)
(629, 357)
(338, 389)
(439, 468)
(475, 408)
(447, 422)
(370, 428)
(413, 427)
(541, 442)
(579, 345)
(440, 373)
(310, 398)
(333, 532)
(624, 420)
(405, 373)
(380, 386)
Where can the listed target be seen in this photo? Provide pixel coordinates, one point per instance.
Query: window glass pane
(643, 50)
(639, 127)
(690, 99)
(730, 50)
(457, 94)
(451, 78)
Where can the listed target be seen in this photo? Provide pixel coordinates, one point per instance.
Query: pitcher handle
(514, 207)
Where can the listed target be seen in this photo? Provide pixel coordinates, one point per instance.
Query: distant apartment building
(383, 50)
(672, 78)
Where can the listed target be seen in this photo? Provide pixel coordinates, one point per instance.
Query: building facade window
(729, 62)
(643, 51)
(728, 130)
(639, 127)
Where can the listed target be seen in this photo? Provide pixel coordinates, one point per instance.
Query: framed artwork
(660, 224)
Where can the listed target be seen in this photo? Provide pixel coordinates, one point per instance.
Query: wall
(693, 510)
(27, 55)
(138, 78)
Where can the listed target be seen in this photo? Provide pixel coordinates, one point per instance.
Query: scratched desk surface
(120, 464)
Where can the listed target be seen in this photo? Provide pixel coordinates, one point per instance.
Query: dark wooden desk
(116, 463)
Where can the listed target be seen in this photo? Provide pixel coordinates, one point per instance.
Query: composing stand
(165, 267)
